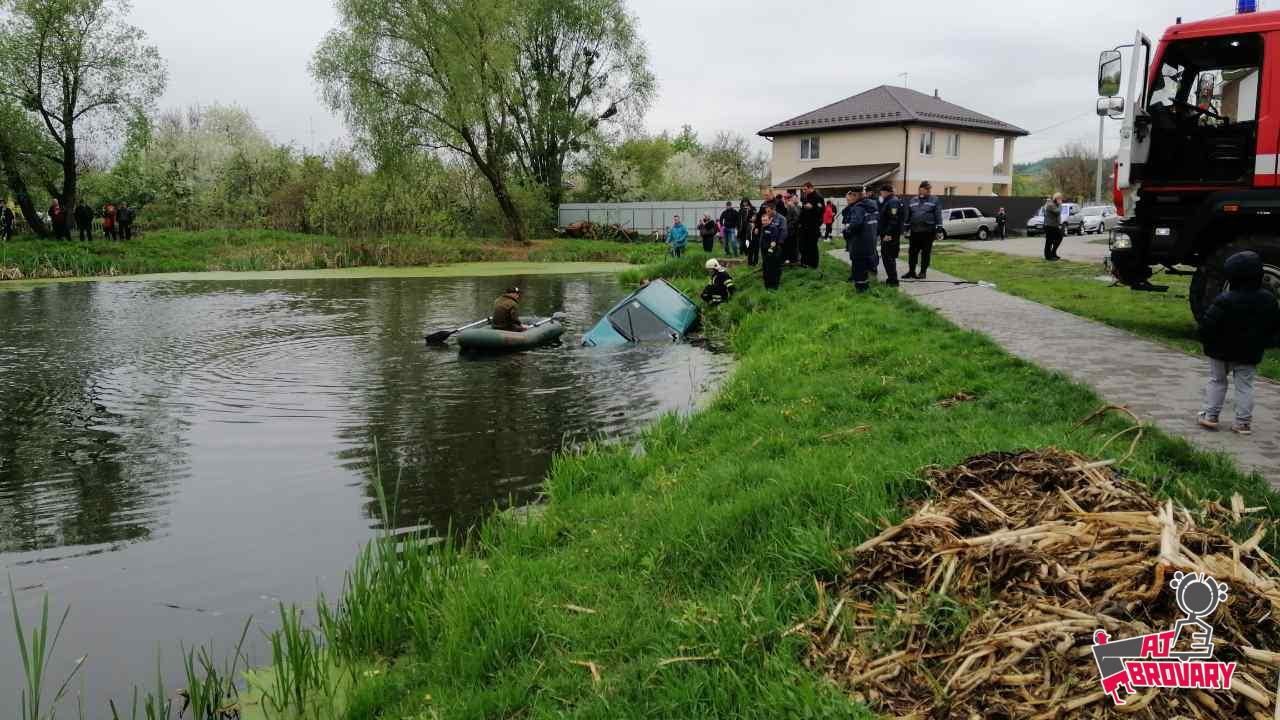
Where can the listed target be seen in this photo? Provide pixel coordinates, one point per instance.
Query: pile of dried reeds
(984, 602)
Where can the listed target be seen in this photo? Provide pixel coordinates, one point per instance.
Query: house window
(809, 148)
(926, 143)
(953, 145)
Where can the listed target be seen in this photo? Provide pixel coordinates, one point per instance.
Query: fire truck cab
(1196, 177)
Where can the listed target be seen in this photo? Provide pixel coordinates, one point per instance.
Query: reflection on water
(176, 456)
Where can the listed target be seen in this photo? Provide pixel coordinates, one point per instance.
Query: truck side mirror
(1110, 70)
(1112, 107)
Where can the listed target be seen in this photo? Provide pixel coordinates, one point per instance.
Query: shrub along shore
(666, 571)
(169, 251)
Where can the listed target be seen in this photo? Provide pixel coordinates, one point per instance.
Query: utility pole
(906, 79)
(1102, 126)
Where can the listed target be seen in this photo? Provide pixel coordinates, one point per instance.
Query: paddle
(559, 317)
(439, 338)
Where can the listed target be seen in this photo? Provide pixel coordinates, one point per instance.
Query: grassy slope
(239, 250)
(1074, 287)
(707, 544)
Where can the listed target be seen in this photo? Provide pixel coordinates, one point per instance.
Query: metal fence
(654, 218)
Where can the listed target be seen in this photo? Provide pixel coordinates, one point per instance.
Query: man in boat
(721, 288)
(506, 311)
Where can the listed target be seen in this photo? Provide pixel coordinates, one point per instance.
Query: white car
(1074, 222)
(962, 222)
(1100, 219)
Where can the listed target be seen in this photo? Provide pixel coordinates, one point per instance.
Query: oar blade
(439, 338)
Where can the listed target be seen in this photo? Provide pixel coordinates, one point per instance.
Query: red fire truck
(1196, 176)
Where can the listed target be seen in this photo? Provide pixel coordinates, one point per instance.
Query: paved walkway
(1156, 382)
(1074, 247)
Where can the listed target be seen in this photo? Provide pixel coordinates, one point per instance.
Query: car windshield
(1091, 211)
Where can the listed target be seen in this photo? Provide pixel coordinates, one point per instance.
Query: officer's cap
(887, 187)
(926, 184)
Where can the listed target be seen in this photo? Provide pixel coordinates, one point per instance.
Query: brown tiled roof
(888, 105)
(842, 176)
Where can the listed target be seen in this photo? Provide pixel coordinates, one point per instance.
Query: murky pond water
(176, 456)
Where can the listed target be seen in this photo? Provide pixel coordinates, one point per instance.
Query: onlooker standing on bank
(746, 223)
(126, 221)
(6, 223)
(795, 227)
(58, 219)
(1236, 330)
(924, 220)
(1053, 227)
(109, 221)
(828, 219)
(1002, 224)
(708, 229)
(729, 221)
(890, 232)
(677, 237)
(84, 221)
(812, 207)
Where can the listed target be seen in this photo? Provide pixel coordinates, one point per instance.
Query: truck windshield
(1203, 109)
(1215, 80)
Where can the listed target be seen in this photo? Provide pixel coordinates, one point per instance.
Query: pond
(179, 455)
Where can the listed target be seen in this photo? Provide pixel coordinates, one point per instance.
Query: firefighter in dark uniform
(861, 217)
(924, 222)
(772, 245)
(721, 288)
(890, 232)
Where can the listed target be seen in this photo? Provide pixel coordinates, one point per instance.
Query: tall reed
(35, 655)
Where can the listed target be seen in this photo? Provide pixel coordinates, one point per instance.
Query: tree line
(467, 118)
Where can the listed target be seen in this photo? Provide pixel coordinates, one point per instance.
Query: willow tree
(76, 65)
(434, 74)
(580, 62)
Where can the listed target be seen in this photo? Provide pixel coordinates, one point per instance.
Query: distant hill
(1039, 167)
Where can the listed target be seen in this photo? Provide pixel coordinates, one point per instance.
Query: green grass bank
(174, 251)
(666, 570)
(1075, 288)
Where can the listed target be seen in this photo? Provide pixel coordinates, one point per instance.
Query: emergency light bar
(1246, 6)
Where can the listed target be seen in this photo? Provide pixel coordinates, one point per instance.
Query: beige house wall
(970, 172)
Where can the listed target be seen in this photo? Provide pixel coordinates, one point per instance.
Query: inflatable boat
(486, 339)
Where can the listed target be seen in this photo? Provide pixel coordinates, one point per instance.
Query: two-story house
(898, 135)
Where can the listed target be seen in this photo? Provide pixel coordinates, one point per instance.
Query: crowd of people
(787, 228)
(117, 222)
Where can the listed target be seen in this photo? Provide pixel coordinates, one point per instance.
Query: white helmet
(714, 264)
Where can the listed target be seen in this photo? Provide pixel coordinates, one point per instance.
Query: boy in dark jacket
(1236, 330)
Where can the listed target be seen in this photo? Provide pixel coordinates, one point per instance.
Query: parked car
(1100, 219)
(964, 222)
(1073, 224)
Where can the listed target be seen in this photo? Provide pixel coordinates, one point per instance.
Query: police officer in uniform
(890, 232)
(924, 221)
(861, 218)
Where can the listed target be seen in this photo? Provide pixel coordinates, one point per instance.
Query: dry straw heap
(984, 602)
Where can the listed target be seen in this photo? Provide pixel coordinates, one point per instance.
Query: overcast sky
(722, 65)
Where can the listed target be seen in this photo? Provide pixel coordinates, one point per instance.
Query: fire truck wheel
(1210, 279)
